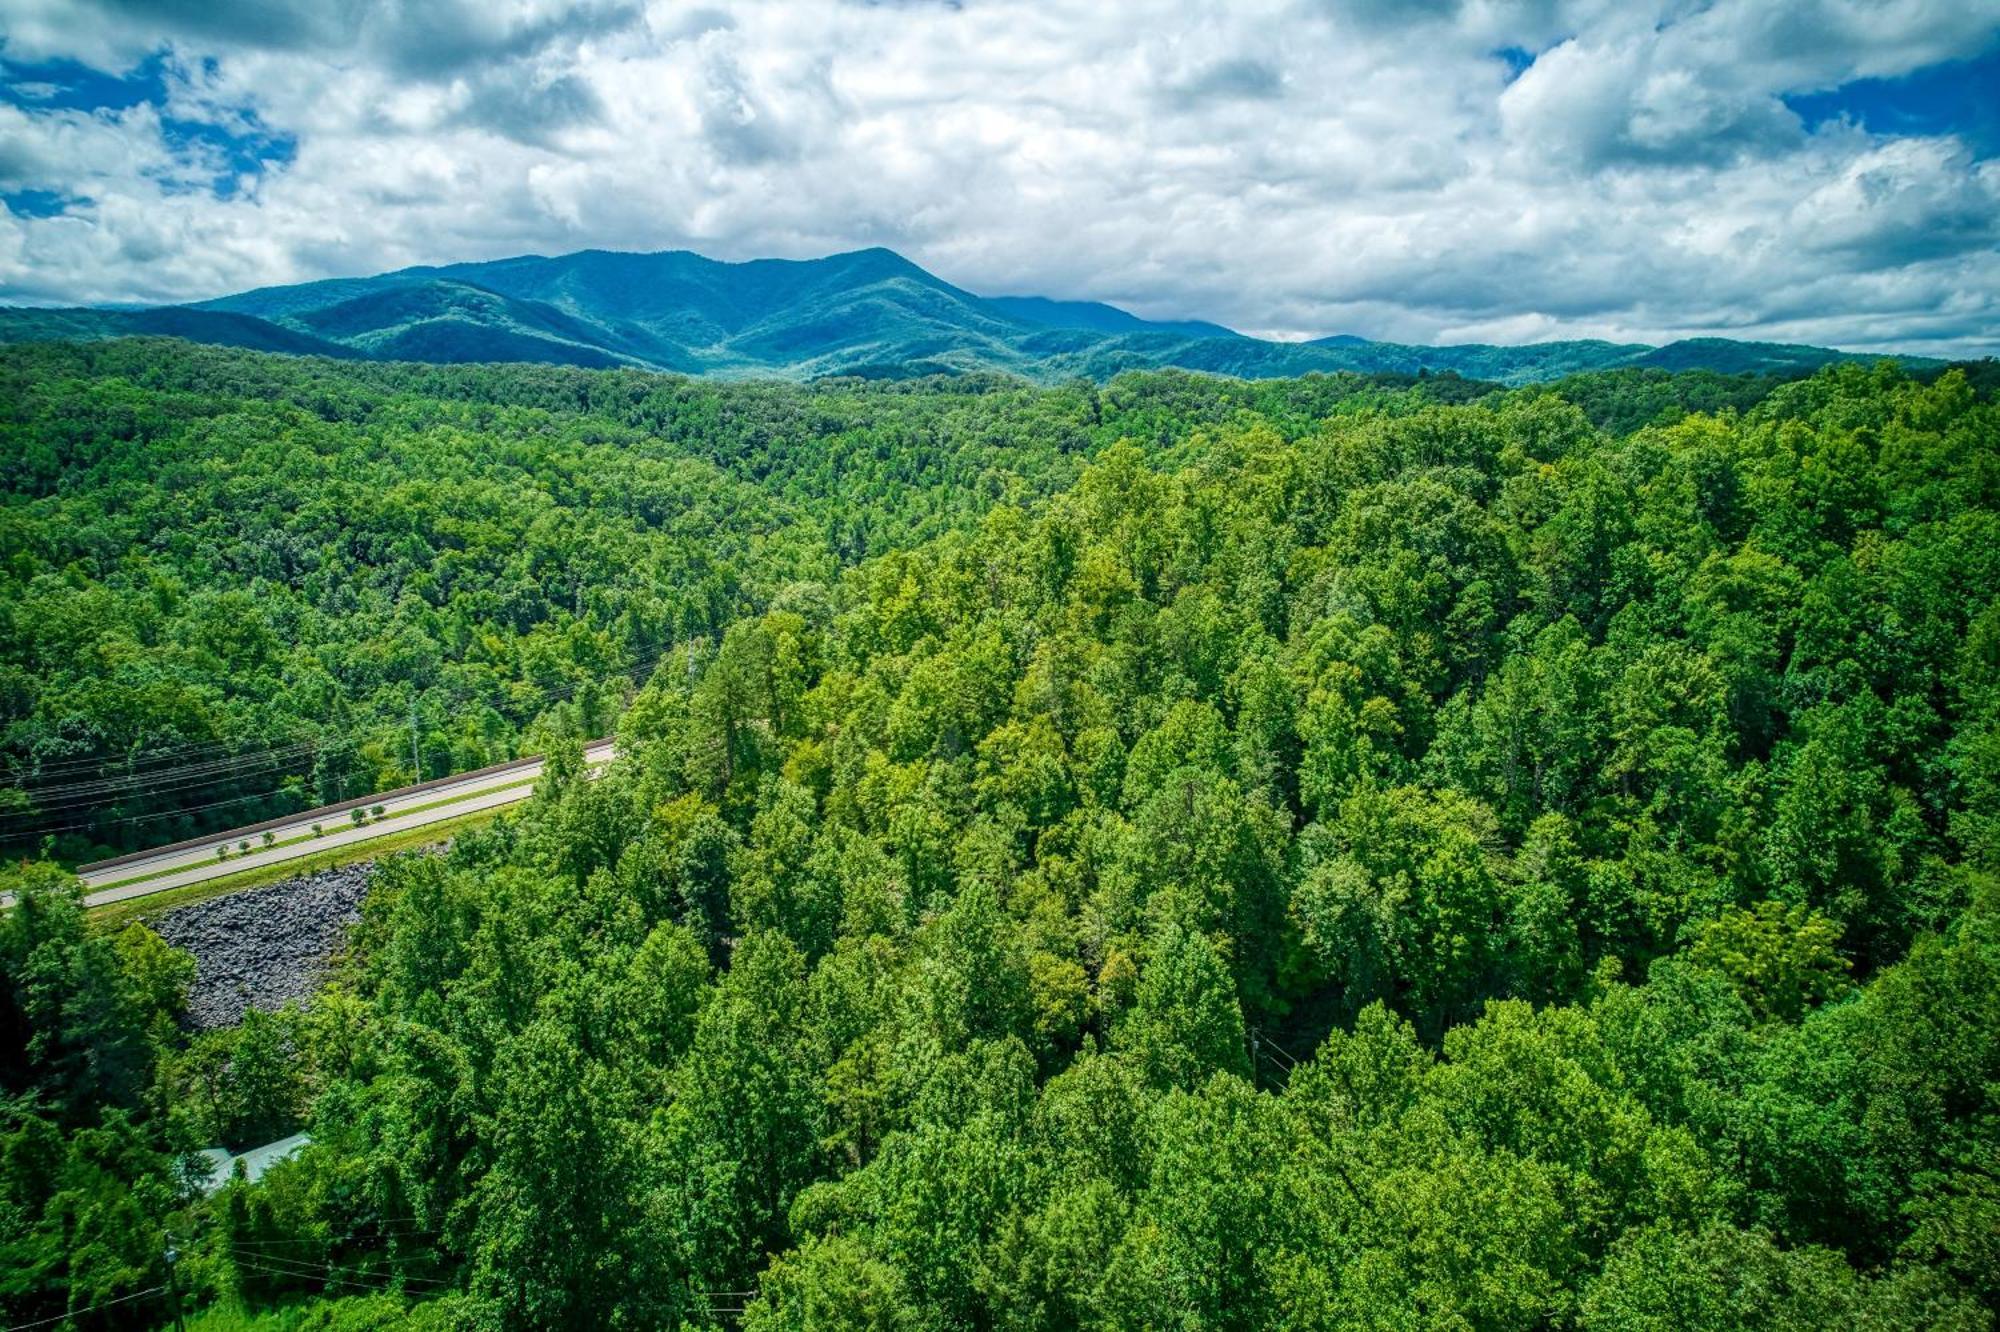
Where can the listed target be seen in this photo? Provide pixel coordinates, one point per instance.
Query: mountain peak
(868, 310)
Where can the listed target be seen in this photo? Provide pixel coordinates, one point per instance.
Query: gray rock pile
(264, 946)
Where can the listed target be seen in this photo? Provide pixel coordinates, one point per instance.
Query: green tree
(1781, 959)
(1184, 1024)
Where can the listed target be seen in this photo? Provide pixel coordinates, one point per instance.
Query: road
(178, 866)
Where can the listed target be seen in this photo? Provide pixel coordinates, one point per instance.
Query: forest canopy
(273, 570)
(1318, 853)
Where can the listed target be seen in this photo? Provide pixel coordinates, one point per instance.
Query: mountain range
(868, 312)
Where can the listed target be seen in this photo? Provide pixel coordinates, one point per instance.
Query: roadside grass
(339, 825)
(116, 915)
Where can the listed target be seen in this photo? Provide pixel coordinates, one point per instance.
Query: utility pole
(416, 756)
(173, 1287)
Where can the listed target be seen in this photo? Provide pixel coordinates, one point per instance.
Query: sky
(1823, 171)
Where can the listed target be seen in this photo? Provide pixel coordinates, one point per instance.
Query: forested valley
(274, 569)
(1322, 853)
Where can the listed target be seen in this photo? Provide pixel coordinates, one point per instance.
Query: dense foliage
(233, 586)
(1360, 864)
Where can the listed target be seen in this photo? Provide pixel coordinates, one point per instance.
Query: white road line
(197, 864)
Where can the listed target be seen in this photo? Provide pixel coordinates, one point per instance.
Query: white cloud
(1291, 166)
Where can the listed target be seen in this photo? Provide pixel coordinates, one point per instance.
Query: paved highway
(179, 866)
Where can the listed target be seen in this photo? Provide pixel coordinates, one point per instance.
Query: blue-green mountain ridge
(868, 312)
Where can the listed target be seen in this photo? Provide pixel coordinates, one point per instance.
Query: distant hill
(23, 324)
(870, 312)
(1729, 357)
(1100, 318)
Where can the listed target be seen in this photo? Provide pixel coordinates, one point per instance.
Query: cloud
(1902, 203)
(1592, 106)
(431, 38)
(415, 38)
(739, 124)
(1626, 169)
(527, 111)
(279, 23)
(1231, 78)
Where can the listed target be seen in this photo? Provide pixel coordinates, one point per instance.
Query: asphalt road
(177, 868)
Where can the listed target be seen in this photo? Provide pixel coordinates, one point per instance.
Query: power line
(64, 1317)
(156, 815)
(551, 694)
(235, 767)
(153, 817)
(278, 761)
(320, 1277)
(191, 770)
(127, 771)
(306, 1269)
(193, 751)
(242, 770)
(105, 764)
(737, 1298)
(1272, 1051)
(346, 1239)
(556, 693)
(154, 779)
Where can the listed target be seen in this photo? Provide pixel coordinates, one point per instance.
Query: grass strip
(116, 915)
(309, 837)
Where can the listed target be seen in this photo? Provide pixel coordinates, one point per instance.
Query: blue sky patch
(1516, 59)
(248, 153)
(246, 148)
(34, 203)
(1956, 98)
(66, 85)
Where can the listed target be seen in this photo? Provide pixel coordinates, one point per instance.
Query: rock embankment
(264, 946)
